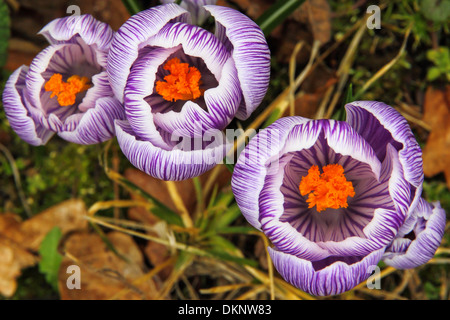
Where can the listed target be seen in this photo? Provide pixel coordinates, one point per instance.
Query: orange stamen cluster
(183, 82)
(66, 91)
(329, 189)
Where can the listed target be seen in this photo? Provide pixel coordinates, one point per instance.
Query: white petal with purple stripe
(132, 35)
(14, 96)
(426, 229)
(250, 51)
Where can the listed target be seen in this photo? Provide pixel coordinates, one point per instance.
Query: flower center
(181, 84)
(66, 91)
(329, 189)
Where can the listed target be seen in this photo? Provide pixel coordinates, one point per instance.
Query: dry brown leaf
(317, 15)
(19, 239)
(13, 258)
(10, 227)
(252, 8)
(311, 21)
(67, 215)
(112, 12)
(157, 253)
(104, 275)
(436, 153)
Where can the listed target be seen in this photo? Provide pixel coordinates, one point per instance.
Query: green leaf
(183, 260)
(441, 59)
(276, 14)
(229, 166)
(433, 73)
(349, 95)
(132, 6)
(50, 257)
(236, 229)
(274, 116)
(4, 32)
(224, 249)
(228, 217)
(436, 10)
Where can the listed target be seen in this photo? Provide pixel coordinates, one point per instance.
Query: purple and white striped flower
(65, 90)
(180, 82)
(336, 197)
(195, 8)
(418, 238)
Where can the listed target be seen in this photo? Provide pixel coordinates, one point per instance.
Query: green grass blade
(276, 14)
(132, 6)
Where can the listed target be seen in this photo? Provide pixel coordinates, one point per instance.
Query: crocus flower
(180, 82)
(195, 8)
(65, 90)
(336, 197)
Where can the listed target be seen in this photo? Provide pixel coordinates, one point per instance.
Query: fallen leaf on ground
(67, 215)
(317, 15)
(112, 12)
(103, 274)
(436, 153)
(20, 240)
(311, 21)
(252, 8)
(13, 258)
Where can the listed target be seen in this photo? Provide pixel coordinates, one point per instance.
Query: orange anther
(66, 91)
(183, 82)
(327, 190)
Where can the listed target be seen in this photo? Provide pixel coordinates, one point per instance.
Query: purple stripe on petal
(399, 188)
(427, 233)
(380, 124)
(140, 84)
(347, 142)
(282, 234)
(327, 278)
(65, 59)
(66, 29)
(96, 125)
(16, 111)
(100, 89)
(195, 8)
(175, 164)
(130, 38)
(39, 65)
(196, 42)
(250, 52)
(250, 169)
